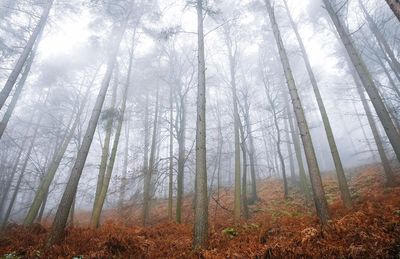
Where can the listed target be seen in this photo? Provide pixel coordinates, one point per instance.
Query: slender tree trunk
(278, 142)
(147, 191)
(252, 154)
(366, 80)
(124, 181)
(390, 179)
(95, 221)
(200, 237)
(171, 155)
(105, 153)
(297, 149)
(315, 176)
(18, 90)
(395, 6)
(236, 118)
(381, 39)
(61, 217)
(21, 175)
(289, 148)
(44, 186)
(11, 177)
(344, 189)
(181, 159)
(5, 92)
(42, 208)
(243, 145)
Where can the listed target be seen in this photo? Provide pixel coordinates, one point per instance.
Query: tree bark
(18, 90)
(366, 80)
(95, 222)
(395, 65)
(395, 6)
(315, 176)
(105, 153)
(236, 122)
(181, 158)
(43, 189)
(147, 190)
(200, 237)
(344, 188)
(5, 92)
(171, 155)
(21, 175)
(61, 217)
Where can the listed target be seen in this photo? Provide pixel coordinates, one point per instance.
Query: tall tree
(95, 221)
(5, 92)
(171, 154)
(105, 152)
(366, 79)
(380, 38)
(44, 186)
(200, 237)
(315, 176)
(344, 189)
(148, 177)
(61, 217)
(232, 50)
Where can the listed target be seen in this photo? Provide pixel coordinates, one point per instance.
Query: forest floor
(277, 228)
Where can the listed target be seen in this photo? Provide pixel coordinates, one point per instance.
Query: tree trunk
(147, 190)
(252, 153)
(243, 145)
(95, 221)
(390, 179)
(21, 175)
(5, 92)
(44, 186)
(236, 118)
(181, 159)
(366, 80)
(297, 149)
(18, 90)
(61, 217)
(105, 153)
(289, 148)
(395, 6)
(11, 177)
(344, 189)
(171, 155)
(315, 176)
(381, 39)
(200, 237)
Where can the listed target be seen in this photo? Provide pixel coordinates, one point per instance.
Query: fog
(143, 55)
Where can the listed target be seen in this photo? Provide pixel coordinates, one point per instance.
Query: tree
(232, 49)
(18, 90)
(201, 201)
(395, 6)
(344, 189)
(148, 184)
(109, 115)
(315, 176)
(110, 165)
(380, 38)
(5, 92)
(41, 194)
(61, 217)
(366, 80)
(273, 107)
